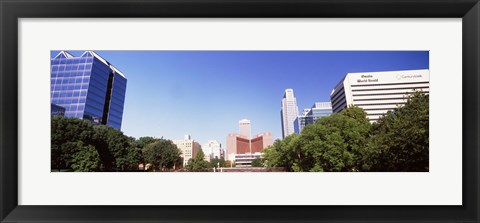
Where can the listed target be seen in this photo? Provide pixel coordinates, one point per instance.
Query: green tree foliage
(346, 141)
(65, 133)
(142, 142)
(86, 159)
(215, 162)
(400, 140)
(115, 150)
(258, 162)
(198, 164)
(282, 153)
(162, 154)
(333, 143)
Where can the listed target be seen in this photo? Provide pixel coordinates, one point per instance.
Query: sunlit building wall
(288, 113)
(244, 127)
(212, 149)
(189, 148)
(378, 92)
(240, 144)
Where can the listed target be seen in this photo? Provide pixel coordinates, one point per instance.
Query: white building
(378, 92)
(245, 160)
(189, 148)
(289, 112)
(212, 149)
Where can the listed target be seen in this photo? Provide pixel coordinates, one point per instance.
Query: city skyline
(173, 93)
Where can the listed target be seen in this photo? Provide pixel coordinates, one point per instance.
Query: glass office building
(318, 110)
(301, 121)
(309, 116)
(88, 87)
(57, 110)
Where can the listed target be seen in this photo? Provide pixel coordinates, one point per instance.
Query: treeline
(347, 141)
(199, 164)
(81, 146)
(78, 145)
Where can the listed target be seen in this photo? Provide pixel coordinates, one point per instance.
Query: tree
(218, 162)
(142, 142)
(139, 145)
(333, 143)
(115, 149)
(281, 153)
(65, 133)
(86, 159)
(162, 153)
(354, 128)
(257, 162)
(198, 164)
(400, 140)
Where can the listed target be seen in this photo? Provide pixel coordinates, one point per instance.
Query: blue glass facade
(317, 111)
(299, 123)
(57, 110)
(88, 87)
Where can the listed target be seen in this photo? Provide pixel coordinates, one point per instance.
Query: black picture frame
(11, 11)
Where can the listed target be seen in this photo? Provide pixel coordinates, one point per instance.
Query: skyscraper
(244, 127)
(288, 113)
(88, 87)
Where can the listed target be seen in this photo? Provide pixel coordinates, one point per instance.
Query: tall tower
(244, 127)
(288, 113)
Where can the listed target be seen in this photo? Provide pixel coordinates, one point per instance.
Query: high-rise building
(288, 113)
(318, 110)
(244, 127)
(189, 148)
(378, 92)
(301, 121)
(212, 149)
(241, 144)
(309, 116)
(88, 87)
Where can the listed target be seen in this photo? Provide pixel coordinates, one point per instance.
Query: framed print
(229, 111)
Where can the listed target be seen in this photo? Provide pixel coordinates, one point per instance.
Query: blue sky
(205, 93)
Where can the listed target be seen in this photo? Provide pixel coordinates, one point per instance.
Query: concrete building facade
(189, 148)
(241, 144)
(212, 149)
(245, 128)
(378, 92)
